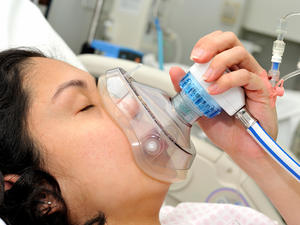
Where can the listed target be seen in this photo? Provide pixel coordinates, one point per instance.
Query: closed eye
(86, 108)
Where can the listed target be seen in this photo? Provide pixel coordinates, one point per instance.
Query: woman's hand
(226, 132)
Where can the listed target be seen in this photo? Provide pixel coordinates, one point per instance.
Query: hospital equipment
(278, 48)
(160, 45)
(95, 19)
(160, 35)
(116, 51)
(124, 14)
(112, 48)
(148, 34)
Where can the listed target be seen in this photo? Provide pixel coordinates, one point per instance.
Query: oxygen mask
(159, 138)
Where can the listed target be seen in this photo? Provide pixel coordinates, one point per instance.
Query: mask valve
(152, 145)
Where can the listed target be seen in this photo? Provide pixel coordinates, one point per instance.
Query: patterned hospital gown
(212, 214)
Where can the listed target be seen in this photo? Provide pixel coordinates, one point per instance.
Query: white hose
(282, 28)
(291, 14)
(178, 42)
(291, 75)
(274, 150)
(171, 34)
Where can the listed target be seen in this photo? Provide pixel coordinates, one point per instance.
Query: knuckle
(214, 41)
(231, 35)
(227, 80)
(217, 32)
(240, 50)
(246, 74)
(219, 61)
(217, 58)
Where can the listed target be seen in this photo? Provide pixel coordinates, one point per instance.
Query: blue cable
(160, 47)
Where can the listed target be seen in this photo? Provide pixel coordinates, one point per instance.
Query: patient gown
(212, 214)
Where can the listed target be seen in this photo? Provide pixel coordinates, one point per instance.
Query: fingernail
(214, 88)
(197, 53)
(208, 74)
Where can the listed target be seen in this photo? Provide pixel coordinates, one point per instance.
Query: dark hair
(26, 201)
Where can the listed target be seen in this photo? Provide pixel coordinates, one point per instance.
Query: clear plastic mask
(159, 138)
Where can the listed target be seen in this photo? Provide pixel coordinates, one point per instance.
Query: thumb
(176, 74)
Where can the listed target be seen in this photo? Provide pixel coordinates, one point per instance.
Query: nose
(129, 106)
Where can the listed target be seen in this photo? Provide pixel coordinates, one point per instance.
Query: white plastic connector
(278, 50)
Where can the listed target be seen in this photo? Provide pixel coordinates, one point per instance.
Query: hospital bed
(214, 177)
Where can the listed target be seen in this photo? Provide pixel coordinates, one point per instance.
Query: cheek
(106, 145)
(96, 149)
(90, 147)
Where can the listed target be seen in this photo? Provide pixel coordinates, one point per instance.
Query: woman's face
(81, 145)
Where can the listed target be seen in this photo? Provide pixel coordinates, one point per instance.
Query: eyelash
(86, 108)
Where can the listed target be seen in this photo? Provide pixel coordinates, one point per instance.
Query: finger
(239, 78)
(207, 47)
(235, 58)
(199, 52)
(176, 74)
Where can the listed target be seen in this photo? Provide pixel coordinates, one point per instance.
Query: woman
(65, 161)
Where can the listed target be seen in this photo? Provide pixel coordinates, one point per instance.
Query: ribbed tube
(274, 150)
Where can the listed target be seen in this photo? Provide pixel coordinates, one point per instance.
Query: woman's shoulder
(212, 214)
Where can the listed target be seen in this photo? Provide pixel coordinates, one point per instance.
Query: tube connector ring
(245, 117)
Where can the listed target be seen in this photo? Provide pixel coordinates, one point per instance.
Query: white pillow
(23, 25)
(2, 222)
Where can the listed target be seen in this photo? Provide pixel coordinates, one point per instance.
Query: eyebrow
(68, 84)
